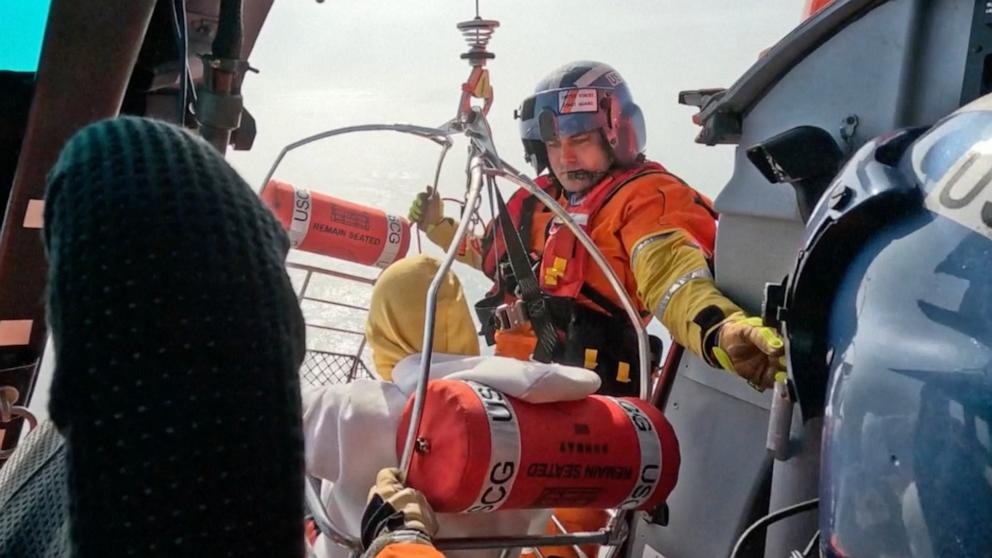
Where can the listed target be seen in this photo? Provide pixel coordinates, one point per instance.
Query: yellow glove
(396, 513)
(426, 210)
(750, 349)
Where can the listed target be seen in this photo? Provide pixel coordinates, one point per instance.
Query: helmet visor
(550, 115)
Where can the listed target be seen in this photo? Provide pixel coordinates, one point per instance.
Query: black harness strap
(530, 289)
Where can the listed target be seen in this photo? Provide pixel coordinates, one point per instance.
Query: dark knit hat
(178, 339)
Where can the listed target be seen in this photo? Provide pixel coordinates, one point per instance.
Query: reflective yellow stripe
(645, 242)
(702, 273)
(591, 356)
(557, 269)
(723, 359)
(623, 373)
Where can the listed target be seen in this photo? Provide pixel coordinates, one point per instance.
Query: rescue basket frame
(484, 167)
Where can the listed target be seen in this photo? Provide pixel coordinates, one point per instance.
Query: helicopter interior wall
(18, 88)
(717, 490)
(74, 54)
(157, 68)
(873, 69)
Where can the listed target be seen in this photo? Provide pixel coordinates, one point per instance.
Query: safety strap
(527, 208)
(530, 289)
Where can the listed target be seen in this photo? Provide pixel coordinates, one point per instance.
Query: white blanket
(350, 433)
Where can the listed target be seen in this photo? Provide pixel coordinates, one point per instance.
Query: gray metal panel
(752, 251)
(910, 56)
(830, 84)
(795, 480)
(899, 64)
(784, 55)
(722, 441)
(693, 368)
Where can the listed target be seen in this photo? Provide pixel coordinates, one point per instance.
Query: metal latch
(511, 316)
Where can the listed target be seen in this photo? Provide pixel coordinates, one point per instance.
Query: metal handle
(430, 317)
(436, 135)
(780, 419)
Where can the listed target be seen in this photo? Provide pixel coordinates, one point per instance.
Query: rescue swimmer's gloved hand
(395, 514)
(752, 350)
(426, 210)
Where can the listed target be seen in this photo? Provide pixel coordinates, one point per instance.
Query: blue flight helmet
(889, 325)
(577, 98)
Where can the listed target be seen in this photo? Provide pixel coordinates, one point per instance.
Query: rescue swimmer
(582, 126)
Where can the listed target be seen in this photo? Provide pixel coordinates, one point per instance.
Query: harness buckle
(510, 316)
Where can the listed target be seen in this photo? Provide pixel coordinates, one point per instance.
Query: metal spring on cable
(477, 33)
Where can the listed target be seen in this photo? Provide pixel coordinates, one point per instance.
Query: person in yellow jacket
(657, 233)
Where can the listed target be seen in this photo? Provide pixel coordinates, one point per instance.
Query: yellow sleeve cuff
(443, 232)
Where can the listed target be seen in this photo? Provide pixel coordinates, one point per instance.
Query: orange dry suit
(656, 233)
(407, 550)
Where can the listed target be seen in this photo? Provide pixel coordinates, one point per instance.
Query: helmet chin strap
(583, 174)
(593, 178)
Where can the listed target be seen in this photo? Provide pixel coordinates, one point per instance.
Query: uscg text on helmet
(962, 195)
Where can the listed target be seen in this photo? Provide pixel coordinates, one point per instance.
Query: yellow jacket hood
(395, 326)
